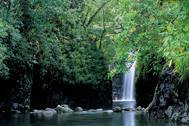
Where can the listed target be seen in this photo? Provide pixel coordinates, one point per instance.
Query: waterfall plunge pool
(96, 119)
(124, 104)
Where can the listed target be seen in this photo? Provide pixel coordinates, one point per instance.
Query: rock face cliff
(117, 84)
(15, 93)
(170, 98)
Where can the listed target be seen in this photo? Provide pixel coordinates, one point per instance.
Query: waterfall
(127, 98)
(128, 84)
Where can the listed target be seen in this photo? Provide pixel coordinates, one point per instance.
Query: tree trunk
(154, 100)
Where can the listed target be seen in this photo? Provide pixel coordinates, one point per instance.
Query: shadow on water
(90, 119)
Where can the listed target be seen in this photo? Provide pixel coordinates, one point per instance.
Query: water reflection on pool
(92, 119)
(128, 118)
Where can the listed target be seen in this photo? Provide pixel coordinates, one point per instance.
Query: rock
(48, 109)
(63, 109)
(117, 109)
(78, 109)
(99, 110)
(169, 111)
(185, 119)
(84, 112)
(95, 110)
(51, 110)
(92, 110)
(15, 106)
(175, 116)
(107, 112)
(139, 108)
(48, 112)
(15, 111)
(35, 111)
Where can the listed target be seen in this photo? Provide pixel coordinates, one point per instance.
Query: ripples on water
(100, 119)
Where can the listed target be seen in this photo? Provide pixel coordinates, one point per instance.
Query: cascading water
(128, 84)
(127, 99)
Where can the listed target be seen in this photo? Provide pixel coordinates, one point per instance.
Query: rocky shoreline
(65, 109)
(178, 113)
(174, 113)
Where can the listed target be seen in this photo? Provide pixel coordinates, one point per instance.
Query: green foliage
(75, 41)
(158, 34)
(59, 40)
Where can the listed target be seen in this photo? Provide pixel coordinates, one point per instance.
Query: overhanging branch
(96, 12)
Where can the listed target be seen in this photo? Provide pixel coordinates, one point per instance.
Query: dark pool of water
(100, 119)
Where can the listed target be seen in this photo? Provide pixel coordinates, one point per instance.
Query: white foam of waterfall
(128, 84)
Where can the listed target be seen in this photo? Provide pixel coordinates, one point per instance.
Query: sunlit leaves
(158, 32)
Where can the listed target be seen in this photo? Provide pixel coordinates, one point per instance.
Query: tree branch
(154, 99)
(96, 12)
(103, 32)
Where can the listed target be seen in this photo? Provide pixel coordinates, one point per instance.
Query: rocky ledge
(119, 109)
(65, 109)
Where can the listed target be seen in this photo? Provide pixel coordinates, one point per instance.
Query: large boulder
(63, 109)
(78, 109)
(117, 109)
(139, 108)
